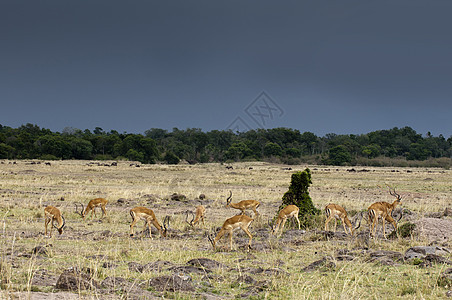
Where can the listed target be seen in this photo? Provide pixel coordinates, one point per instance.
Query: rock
(445, 279)
(172, 283)
(422, 251)
(324, 264)
(178, 197)
(75, 280)
(384, 257)
(158, 266)
(39, 250)
(189, 269)
(206, 263)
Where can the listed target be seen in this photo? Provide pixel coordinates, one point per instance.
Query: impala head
(229, 199)
(165, 225)
(192, 219)
(60, 229)
(211, 238)
(81, 212)
(396, 195)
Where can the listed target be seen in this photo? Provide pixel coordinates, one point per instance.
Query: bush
(171, 158)
(298, 195)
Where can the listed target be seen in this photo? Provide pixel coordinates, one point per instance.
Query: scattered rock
(385, 257)
(422, 251)
(178, 197)
(172, 283)
(189, 269)
(39, 250)
(434, 229)
(75, 280)
(324, 264)
(206, 263)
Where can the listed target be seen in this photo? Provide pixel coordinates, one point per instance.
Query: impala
(383, 210)
(290, 211)
(53, 214)
(231, 224)
(91, 207)
(337, 212)
(149, 218)
(200, 211)
(243, 205)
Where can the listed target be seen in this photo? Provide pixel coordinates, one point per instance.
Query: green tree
(171, 158)
(272, 149)
(298, 195)
(339, 156)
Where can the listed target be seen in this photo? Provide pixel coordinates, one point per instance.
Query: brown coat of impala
(290, 211)
(243, 205)
(382, 211)
(52, 214)
(231, 224)
(337, 212)
(149, 218)
(91, 207)
(200, 212)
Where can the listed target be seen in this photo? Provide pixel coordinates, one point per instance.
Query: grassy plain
(26, 187)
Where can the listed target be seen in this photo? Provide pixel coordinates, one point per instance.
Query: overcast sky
(321, 66)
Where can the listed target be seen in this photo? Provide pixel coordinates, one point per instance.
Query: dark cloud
(333, 66)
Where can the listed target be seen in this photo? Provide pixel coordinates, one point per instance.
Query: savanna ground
(120, 267)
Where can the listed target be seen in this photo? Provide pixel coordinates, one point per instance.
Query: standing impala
(337, 212)
(290, 211)
(243, 205)
(200, 211)
(92, 205)
(149, 218)
(382, 210)
(52, 214)
(231, 224)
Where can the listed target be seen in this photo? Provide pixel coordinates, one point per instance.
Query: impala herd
(378, 211)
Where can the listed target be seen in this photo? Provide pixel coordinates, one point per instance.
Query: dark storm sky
(324, 66)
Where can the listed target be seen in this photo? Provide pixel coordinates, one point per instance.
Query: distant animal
(290, 211)
(243, 205)
(200, 211)
(149, 218)
(383, 211)
(231, 224)
(52, 214)
(337, 212)
(91, 207)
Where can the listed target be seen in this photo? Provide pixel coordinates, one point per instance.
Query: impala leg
(250, 236)
(343, 225)
(104, 211)
(326, 222)
(230, 239)
(134, 221)
(148, 223)
(335, 224)
(282, 226)
(46, 221)
(394, 224)
(296, 217)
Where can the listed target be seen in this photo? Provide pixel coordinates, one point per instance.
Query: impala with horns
(200, 211)
(52, 214)
(243, 205)
(383, 210)
(231, 224)
(91, 207)
(149, 218)
(288, 212)
(337, 212)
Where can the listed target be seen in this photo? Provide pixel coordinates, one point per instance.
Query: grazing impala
(243, 205)
(53, 214)
(92, 205)
(200, 211)
(382, 210)
(337, 212)
(290, 211)
(231, 224)
(149, 218)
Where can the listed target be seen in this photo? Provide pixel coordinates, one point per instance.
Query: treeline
(284, 145)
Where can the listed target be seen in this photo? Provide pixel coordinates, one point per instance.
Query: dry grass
(25, 189)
